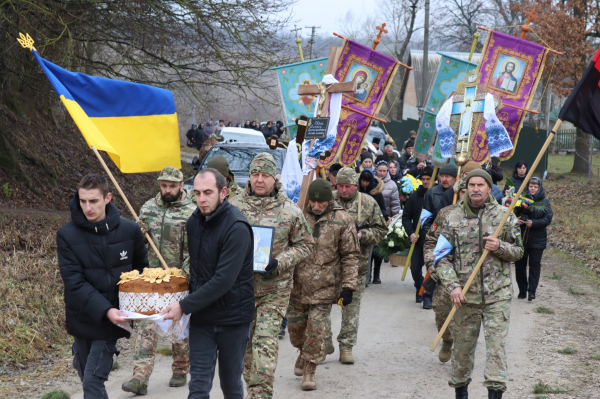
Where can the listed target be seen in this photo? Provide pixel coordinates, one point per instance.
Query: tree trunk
(582, 153)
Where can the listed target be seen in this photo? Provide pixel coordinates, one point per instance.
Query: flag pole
(412, 247)
(499, 229)
(135, 216)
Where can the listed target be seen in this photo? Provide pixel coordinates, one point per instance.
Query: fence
(565, 140)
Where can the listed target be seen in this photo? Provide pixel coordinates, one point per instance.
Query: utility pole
(311, 42)
(425, 57)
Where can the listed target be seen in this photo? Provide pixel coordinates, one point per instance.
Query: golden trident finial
(26, 41)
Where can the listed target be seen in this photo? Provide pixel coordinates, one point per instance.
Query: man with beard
(164, 217)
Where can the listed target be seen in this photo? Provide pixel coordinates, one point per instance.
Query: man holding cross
(463, 236)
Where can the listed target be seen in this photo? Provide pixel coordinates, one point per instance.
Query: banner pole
(135, 216)
(412, 247)
(499, 229)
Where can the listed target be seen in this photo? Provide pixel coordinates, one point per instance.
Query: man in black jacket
(433, 198)
(94, 248)
(221, 299)
(410, 220)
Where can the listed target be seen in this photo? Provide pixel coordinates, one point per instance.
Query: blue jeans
(228, 344)
(93, 360)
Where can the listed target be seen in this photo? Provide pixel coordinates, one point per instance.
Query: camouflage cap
(171, 173)
(217, 137)
(264, 163)
(347, 176)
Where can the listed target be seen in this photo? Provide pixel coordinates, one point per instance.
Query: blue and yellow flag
(134, 123)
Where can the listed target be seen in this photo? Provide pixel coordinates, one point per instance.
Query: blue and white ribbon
(442, 249)
(425, 215)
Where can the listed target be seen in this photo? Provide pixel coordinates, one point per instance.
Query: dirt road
(392, 356)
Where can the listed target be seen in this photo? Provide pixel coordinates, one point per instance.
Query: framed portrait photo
(263, 247)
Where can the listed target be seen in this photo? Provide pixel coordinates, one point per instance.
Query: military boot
(493, 394)
(178, 380)
(328, 350)
(346, 356)
(446, 351)
(135, 386)
(419, 297)
(376, 273)
(299, 366)
(462, 392)
(308, 378)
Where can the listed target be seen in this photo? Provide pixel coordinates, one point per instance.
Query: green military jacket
(166, 223)
(233, 188)
(333, 263)
(370, 213)
(431, 240)
(292, 240)
(465, 234)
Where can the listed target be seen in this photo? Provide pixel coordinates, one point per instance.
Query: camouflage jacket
(493, 282)
(233, 188)
(292, 240)
(206, 146)
(431, 240)
(167, 227)
(333, 263)
(370, 213)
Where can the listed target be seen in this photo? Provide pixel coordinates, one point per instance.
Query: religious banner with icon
(373, 72)
(289, 77)
(510, 68)
(452, 70)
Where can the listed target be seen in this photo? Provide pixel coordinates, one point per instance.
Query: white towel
(291, 173)
(497, 136)
(179, 330)
(446, 135)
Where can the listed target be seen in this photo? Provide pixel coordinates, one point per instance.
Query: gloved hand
(272, 270)
(143, 226)
(345, 298)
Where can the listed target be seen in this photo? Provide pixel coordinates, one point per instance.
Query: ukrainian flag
(134, 123)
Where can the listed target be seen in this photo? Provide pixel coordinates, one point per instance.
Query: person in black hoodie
(94, 248)
(518, 176)
(533, 232)
(221, 300)
(369, 184)
(410, 219)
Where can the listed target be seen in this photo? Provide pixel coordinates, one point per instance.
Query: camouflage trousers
(465, 327)
(442, 305)
(260, 360)
(146, 341)
(307, 325)
(350, 314)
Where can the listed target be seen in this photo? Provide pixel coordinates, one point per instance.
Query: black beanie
(366, 155)
(335, 168)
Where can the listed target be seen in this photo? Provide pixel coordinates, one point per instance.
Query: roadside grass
(56, 395)
(574, 292)
(544, 310)
(542, 388)
(165, 351)
(191, 150)
(596, 356)
(115, 366)
(556, 276)
(568, 350)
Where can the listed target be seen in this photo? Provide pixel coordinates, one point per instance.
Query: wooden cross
(525, 28)
(381, 30)
(322, 111)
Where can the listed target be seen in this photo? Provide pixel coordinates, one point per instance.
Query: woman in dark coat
(518, 176)
(533, 232)
(269, 130)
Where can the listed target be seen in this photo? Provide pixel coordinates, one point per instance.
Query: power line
(311, 42)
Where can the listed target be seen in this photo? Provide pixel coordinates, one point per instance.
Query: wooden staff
(412, 247)
(499, 229)
(458, 177)
(135, 216)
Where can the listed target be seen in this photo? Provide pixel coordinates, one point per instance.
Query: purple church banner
(511, 68)
(374, 72)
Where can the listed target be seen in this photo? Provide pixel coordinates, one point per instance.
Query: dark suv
(239, 156)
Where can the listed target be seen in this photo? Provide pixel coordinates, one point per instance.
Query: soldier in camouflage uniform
(164, 217)
(264, 203)
(220, 163)
(441, 298)
(372, 228)
(328, 275)
(207, 145)
(468, 230)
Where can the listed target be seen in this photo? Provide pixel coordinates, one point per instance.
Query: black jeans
(375, 271)
(417, 261)
(93, 360)
(228, 343)
(535, 266)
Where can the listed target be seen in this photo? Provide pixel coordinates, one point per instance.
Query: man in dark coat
(191, 136)
(433, 198)
(94, 248)
(410, 220)
(221, 299)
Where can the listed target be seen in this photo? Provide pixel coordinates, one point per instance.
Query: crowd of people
(198, 134)
(321, 255)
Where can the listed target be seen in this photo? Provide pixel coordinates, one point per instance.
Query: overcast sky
(326, 13)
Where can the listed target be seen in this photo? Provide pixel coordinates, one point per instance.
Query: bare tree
(456, 21)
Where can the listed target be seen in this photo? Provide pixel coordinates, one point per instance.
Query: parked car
(239, 156)
(242, 135)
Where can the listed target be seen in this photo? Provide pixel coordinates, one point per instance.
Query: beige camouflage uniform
(319, 279)
(488, 298)
(370, 213)
(166, 223)
(292, 242)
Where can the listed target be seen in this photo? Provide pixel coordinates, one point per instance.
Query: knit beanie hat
(366, 155)
(320, 190)
(471, 165)
(449, 169)
(480, 173)
(220, 163)
(335, 168)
